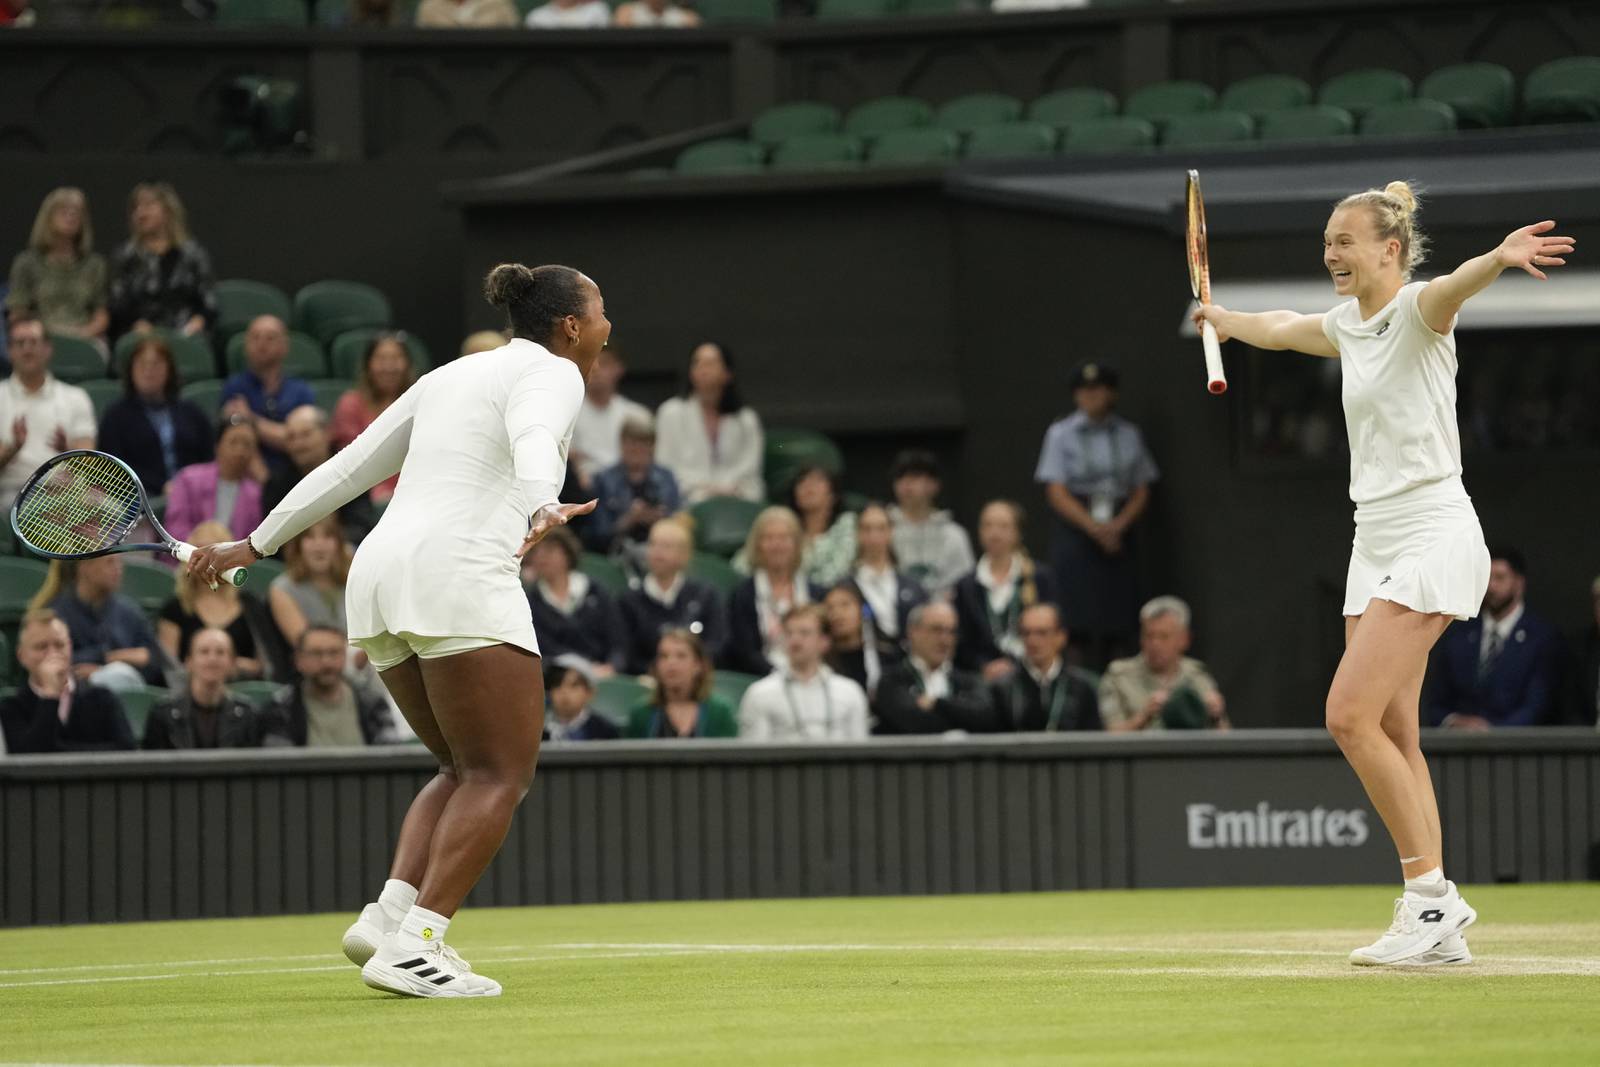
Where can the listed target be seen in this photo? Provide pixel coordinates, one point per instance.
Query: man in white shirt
(40, 417)
(806, 702)
(597, 435)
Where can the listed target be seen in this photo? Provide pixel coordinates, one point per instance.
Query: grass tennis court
(1235, 976)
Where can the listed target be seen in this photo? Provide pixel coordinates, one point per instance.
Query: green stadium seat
(837, 10)
(918, 147)
(1265, 92)
(877, 117)
(1317, 122)
(1066, 106)
(20, 578)
(713, 569)
(1208, 128)
(261, 13)
(729, 686)
(966, 113)
(791, 120)
(721, 11)
(818, 151)
(1408, 118)
(8, 662)
(1482, 95)
(240, 301)
(327, 392)
(1118, 133)
(1007, 140)
(350, 348)
(788, 450)
(305, 360)
(103, 392)
(259, 576)
(723, 156)
(206, 395)
(1162, 101)
(196, 362)
(605, 572)
(618, 695)
(1359, 91)
(75, 360)
(722, 523)
(328, 308)
(257, 692)
(136, 705)
(925, 8)
(1563, 90)
(148, 583)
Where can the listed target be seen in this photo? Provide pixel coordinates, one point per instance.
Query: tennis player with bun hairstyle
(1419, 558)
(434, 600)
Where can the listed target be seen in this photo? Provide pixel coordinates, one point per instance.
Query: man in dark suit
(926, 694)
(1502, 668)
(50, 711)
(1044, 693)
(205, 714)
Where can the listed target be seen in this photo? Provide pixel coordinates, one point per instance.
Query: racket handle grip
(1216, 380)
(233, 575)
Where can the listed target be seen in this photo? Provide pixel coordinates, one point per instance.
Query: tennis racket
(84, 504)
(1200, 283)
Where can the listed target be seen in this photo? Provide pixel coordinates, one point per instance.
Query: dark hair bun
(508, 284)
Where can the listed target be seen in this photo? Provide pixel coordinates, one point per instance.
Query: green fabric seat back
(136, 705)
(148, 583)
(263, 13)
(1117, 133)
(1066, 106)
(20, 578)
(722, 156)
(75, 360)
(966, 113)
(722, 523)
(876, 117)
(1208, 128)
(1359, 91)
(240, 300)
(923, 8)
(326, 309)
(259, 576)
(605, 572)
(1563, 90)
(1006, 140)
(812, 151)
(720, 11)
(788, 450)
(259, 692)
(616, 696)
(327, 391)
(729, 686)
(193, 355)
(305, 359)
(784, 121)
(1305, 123)
(350, 348)
(839, 10)
(1265, 92)
(1413, 117)
(714, 570)
(103, 392)
(1481, 94)
(206, 395)
(923, 146)
(1164, 100)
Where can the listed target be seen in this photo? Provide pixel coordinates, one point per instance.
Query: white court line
(215, 963)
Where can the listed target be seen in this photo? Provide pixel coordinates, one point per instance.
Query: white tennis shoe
(434, 971)
(367, 933)
(1451, 952)
(1421, 925)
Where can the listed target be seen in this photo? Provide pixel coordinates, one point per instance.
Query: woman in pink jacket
(223, 490)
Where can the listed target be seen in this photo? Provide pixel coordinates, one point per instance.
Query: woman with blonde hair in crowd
(758, 604)
(161, 278)
(196, 606)
(59, 278)
(683, 705)
(386, 372)
(990, 600)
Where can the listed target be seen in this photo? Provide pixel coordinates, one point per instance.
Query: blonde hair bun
(1402, 192)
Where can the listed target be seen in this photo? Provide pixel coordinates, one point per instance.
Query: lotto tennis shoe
(1421, 924)
(367, 933)
(1452, 951)
(434, 971)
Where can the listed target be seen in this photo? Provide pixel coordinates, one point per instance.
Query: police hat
(1094, 372)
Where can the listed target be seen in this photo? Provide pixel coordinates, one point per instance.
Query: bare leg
(1400, 722)
(1387, 650)
(404, 682)
(489, 704)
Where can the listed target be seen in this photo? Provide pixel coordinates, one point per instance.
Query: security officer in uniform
(1097, 473)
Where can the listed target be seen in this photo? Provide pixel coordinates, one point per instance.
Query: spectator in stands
(386, 373)
(1045, 693)
(482, 341)
(806, 701)
(1586, 707)
(759, 603)
(927, 694)
(929, 545)
(569, 685)
(51, 711)
(668, 599)
(1503, 667)
(466, 14)
(196, 607)
(1161, 688)
(17, 14)
(324, 709)
(223, 490)
(160, 279)
(991, 599)
(40, 417)
(634, 494)
(572, 614)
(150, 427)
(308, 446)
(59, 278)
(373, 14)
(113, 645)
(655, 15)
(708, 438)
(597, 435)
(310, 591)
(683, 705)
(889, 592)
(1097, 473)
(570, 15)
(204, 714)
(828, 531)
(855, 649)
(262, 391)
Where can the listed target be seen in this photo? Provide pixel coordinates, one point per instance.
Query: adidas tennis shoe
(367, 933)
(1421, 925)
(433, 971)
(1452, 951)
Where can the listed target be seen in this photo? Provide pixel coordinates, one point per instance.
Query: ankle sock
(397, 898)
(421, 928)
(1428, 884)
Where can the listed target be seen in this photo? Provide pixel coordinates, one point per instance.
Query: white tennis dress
(1418, 541)
(480, 445)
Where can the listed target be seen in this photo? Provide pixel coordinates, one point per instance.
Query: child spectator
(569, 686)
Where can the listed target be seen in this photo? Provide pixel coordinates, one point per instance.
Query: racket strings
(84, 503)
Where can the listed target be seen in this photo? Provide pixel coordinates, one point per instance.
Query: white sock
(421, 928)
(1428, 884)
(397, 898)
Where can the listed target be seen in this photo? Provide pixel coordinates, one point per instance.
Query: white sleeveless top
(1399, 396)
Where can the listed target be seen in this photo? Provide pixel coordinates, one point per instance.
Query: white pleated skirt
(1423, 549)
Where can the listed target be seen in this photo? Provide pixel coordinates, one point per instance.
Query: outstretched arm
(1276, 331)
(1528, 248)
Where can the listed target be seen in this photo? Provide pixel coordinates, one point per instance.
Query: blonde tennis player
(1419, 558)
(433, 598)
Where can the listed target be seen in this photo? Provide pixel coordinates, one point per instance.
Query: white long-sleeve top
(685, 449)
(480, 445)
